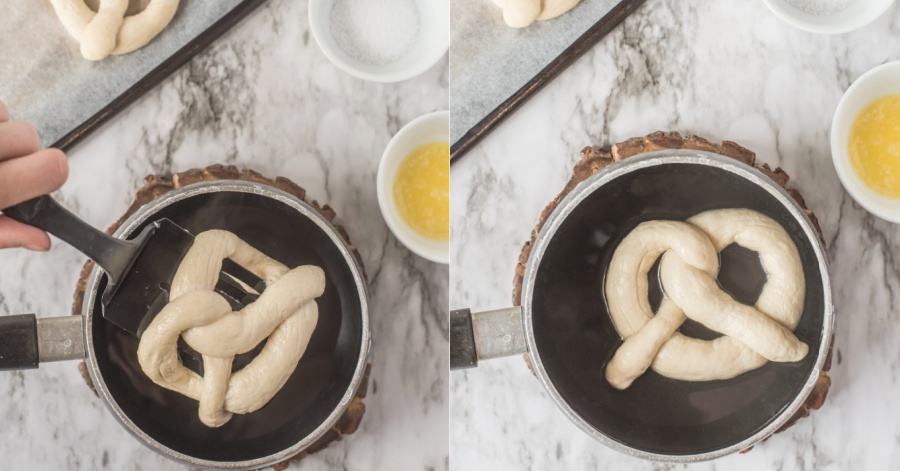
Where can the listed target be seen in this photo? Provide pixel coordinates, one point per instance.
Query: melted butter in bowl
(865, 141)
(874, 145)
(422, 190)
(413, 186)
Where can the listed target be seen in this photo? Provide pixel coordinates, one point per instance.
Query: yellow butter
(874, 145)
(422, 190)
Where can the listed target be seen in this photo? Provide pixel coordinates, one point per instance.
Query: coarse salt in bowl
(876, 83)
(828, 16)
(381, 40)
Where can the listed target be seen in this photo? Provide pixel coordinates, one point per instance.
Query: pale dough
(688, 270)
(522, 13)
(286, 313)
(109, 31)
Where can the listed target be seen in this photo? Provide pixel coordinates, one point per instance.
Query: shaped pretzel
(522, 13)
(286, 313)
(109, 31)
(752, 335)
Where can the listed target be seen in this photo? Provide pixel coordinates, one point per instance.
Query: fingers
(24, 178)
(25, 172)
(18, 138)
(16, 234)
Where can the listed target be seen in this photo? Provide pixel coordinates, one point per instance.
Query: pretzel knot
(109, 31)
(285, 313)
(690, 262)
(522, 13)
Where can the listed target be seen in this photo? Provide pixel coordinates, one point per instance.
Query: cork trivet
(154, 187)
(594, 159)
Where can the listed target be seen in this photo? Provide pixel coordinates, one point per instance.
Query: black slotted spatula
(139, 271)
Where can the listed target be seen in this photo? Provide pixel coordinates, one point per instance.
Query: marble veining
(262, 97)
(723, 70)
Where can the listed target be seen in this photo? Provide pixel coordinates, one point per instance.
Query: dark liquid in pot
(575, 337)
(322, 376)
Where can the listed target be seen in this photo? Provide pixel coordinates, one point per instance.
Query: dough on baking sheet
(752, 335)
(522, 13)
(286, 314)
(109, 31)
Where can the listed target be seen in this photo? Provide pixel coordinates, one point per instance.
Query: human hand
(26, 172)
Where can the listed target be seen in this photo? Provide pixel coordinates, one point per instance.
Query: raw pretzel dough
(286, 313)
(521, 13)
(688, 271)
(109, 31)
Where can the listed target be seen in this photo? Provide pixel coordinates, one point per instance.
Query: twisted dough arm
(781, 299)
(638, 351)
(99, 36)
(783, 295)
(700, 297)
(519, 13)
(552, 8)
(689, 359)
(157, 351)
(243, 394)
(140, 29)
(199, 270)
(216, 373)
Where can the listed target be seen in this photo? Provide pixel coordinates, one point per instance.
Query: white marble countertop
(724, 69)
(262, 97)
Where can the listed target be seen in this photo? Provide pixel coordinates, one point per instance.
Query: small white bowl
(855, 16)
(432, 127)
(431, 45)
(878, 82)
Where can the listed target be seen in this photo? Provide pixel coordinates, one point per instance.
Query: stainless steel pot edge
(148, 211)
(649, 160)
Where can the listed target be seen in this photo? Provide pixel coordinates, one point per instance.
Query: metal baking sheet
(495, 68)
(45, 80)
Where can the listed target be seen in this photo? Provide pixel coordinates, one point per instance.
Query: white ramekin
(431, 45)
(432, 127)
(855, 16)
(880, 81)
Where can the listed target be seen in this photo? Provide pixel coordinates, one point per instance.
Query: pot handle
(485, 335)
(26, 341)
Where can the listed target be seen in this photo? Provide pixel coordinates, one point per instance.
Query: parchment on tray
(490, 61)
(44, 79)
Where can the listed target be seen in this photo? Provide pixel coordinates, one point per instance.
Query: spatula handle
(45, 213)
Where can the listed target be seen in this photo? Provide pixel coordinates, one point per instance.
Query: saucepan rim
(145, 213)
(652, 159)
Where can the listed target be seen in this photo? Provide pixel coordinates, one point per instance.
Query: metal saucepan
(565, 329)
(316, 394)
